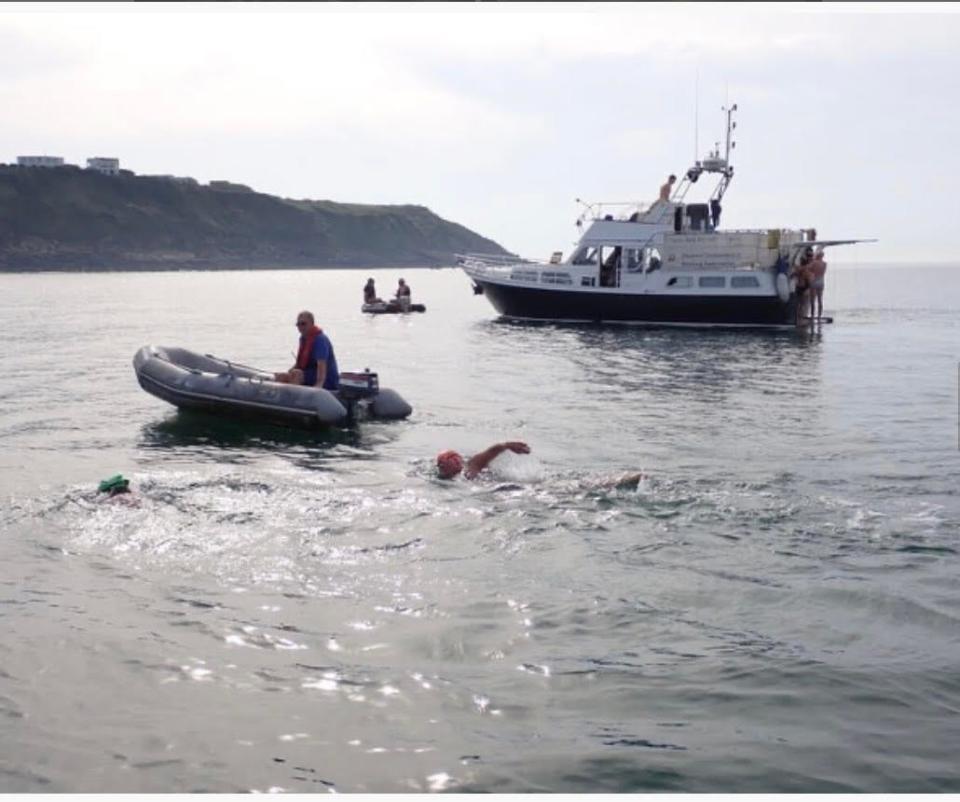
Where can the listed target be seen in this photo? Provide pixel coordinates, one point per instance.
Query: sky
(500, 116)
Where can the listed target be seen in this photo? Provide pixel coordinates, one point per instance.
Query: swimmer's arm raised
(478, 462)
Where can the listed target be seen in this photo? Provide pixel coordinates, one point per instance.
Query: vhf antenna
(696, 117)
(730, 127)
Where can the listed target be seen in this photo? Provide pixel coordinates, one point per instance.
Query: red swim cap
(449, 463)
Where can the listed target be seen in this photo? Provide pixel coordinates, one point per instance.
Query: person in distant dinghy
(370, 293)
(403, 296)
(316, 364)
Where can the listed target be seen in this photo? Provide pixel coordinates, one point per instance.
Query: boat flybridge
(665, 263)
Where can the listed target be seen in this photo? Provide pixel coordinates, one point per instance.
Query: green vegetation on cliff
(71, 219)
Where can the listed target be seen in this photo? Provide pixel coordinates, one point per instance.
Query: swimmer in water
(117, 489)
(451, 463)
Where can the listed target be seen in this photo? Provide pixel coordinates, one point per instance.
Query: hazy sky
(498, 116)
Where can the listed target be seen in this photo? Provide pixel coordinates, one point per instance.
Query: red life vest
(306, 346)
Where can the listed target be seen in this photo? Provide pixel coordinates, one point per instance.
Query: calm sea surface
(776, 608)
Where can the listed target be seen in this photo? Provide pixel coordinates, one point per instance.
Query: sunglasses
(301, 323)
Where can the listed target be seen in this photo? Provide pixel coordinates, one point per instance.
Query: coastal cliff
(66, 218)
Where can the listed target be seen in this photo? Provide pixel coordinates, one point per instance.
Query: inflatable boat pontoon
(390, 308)
(189, 380)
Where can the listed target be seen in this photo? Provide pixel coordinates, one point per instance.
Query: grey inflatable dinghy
(390, 308)
(189, 380)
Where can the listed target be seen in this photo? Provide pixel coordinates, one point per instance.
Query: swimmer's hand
(516, 447)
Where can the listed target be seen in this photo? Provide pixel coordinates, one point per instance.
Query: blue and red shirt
(311, 352)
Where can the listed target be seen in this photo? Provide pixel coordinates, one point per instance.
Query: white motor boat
(668, 264)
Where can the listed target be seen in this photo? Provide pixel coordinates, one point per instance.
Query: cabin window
(555, 277)
(680, 281)
(587, 255)
(523, 275)
(744, 281)
(633, 260)
(610, 256)
(610, 265)
(713, 281)
(651, 259)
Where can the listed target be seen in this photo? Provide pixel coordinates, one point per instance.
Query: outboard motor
(362, 393)
(354, 387)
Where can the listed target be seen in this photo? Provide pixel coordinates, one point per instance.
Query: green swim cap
(113, 484)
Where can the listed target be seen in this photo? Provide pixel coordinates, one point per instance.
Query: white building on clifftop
(40, 161)
(103, 165)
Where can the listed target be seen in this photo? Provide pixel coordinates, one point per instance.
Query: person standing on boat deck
(817, 269)
(316, 364)
(403, 296)
(667, 188)
(801, 272)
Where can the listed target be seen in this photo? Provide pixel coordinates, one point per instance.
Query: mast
(696, 116)
(730, 126)
(723, 166)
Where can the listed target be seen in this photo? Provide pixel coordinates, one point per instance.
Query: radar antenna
(714, 163)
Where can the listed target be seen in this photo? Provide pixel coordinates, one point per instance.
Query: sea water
(775, 607)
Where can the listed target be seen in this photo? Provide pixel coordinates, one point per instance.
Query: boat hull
(203, 383)
(527, 303)
(391, 308)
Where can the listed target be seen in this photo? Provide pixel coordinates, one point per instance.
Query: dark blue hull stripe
(565, 305)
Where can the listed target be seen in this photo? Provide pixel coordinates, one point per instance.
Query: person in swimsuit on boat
(667, 188)
(801, 273)
(817, 270)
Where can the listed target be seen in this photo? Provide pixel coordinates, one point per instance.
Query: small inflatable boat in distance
(189, 380)
(390, 308)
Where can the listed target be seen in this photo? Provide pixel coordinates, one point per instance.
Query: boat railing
(616, 210)
(748, 230)
(493, 259)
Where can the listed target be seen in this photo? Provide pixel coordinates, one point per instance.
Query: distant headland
(55, 216)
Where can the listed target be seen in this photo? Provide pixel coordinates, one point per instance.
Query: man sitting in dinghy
(370, 293)
(403, 296)
(316, 364)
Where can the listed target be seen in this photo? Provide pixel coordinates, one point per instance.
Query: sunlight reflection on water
(322, 613)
